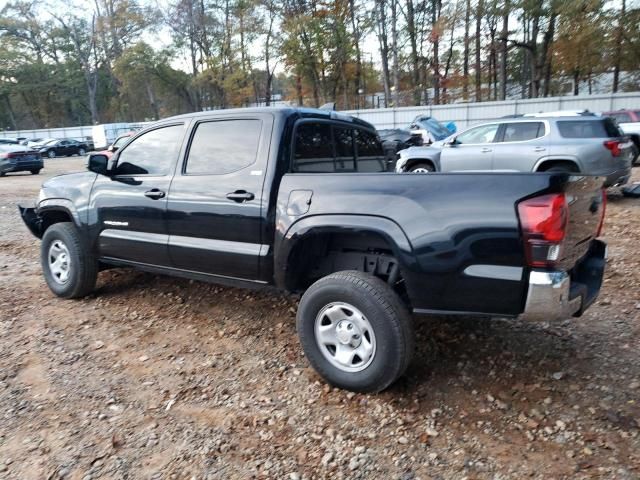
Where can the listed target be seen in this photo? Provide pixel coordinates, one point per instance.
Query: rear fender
(387, 229)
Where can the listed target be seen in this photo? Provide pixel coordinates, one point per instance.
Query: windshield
(434, 126)
(49, 141)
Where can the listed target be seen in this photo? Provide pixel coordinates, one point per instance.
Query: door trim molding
(226, 246)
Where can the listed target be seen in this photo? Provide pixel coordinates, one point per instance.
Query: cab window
(152, 153)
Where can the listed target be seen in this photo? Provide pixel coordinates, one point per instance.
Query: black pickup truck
(300, 200)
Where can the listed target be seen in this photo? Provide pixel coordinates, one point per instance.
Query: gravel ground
(155, 377)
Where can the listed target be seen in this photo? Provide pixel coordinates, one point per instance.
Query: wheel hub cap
(345, 337)
(59, 262)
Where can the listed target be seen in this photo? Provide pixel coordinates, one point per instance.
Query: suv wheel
(422, 168)
(69, 269)
(51, 154)
(81, 152)
(355, 331)
(35, 171)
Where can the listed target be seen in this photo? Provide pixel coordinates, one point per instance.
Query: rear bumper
(10, 165)
(554, 295)
(617, 178)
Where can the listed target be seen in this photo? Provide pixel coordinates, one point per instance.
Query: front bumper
(31, 220)
(557, 295)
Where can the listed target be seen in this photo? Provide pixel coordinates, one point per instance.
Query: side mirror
(98, 163)
(111, 148)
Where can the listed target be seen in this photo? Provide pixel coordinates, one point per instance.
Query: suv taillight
(613, 146)
(544, 223)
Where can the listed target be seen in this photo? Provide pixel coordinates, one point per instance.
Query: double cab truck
(300, 200)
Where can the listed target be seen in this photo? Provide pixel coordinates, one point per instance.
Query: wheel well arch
(550, 163)
(321, 252)
(414, 161)
(51, 216)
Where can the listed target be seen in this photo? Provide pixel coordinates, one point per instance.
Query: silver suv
(585, 144)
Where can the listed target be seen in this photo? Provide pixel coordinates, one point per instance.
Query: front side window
(223, 146)
(313, 151)
(152, 153)
(481, 134)
(522, 131)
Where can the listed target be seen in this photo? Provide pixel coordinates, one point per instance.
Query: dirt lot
(154, 377)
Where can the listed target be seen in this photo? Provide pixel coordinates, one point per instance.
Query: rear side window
(601, 128)
(313, 148)
(522, 131)
(152, 153)
(223, 146)
(327, 148)
(370, 152)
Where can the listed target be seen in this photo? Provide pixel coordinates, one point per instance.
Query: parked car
(18, 158)
(629, 123)
(582, 144)
(429, 128)
(8, 141)
(61, 148)
(117, 143)
(295, 199)
(396, 139)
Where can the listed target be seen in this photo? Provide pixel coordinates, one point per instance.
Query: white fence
(465, 114)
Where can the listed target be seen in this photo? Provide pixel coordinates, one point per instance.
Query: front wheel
(51, 154)
(82, 152)
(35, 171)
(355, 331)
(70, 270)
(422, 168)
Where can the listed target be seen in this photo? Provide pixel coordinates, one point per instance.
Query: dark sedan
(18, 158)
(62, 148)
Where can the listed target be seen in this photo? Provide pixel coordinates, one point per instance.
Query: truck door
(471, 150)
(520, 145)
(131, 204)
(216, 205)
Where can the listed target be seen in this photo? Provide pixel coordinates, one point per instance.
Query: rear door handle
(154, 194)
(240, 196)
(539, 149)
(485, 150)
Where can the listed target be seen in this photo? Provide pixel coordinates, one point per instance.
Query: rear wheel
(35, 171)
(51, 154)
(355, 331)
(422, 168)
(70, 270)
(81, 152)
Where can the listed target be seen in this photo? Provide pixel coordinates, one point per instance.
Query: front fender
(299, 230)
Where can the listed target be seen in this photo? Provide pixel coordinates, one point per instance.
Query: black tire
(35, 171)
(422, 168)
(2, 174)
(384, 311)
(82, 265)
(51, 154)
(81, 152)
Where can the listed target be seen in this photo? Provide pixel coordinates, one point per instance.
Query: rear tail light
(6, 155)
(613, 146)
(603, 209)
(544, 223)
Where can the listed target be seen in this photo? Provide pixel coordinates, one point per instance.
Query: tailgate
(586, 200)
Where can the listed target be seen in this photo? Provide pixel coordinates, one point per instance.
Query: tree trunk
(479, 14)
(415, 66)
(504, 51)
(384, 48)
(435, 15)
(356, 35)
(465, 61)
(394, 51)
(617, 59)
(299, 90)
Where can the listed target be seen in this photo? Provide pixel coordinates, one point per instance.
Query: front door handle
(539, 149)
(240, 196)
(485, 150)
(154, 194)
